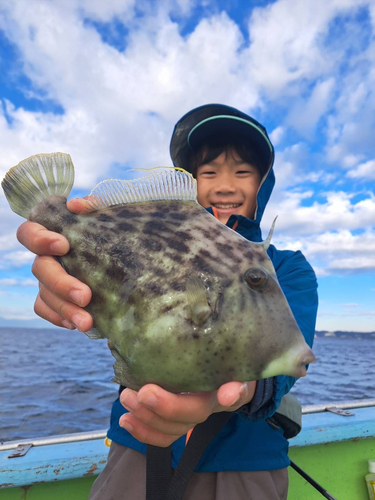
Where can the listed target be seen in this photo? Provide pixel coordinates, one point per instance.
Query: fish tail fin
(36, 178)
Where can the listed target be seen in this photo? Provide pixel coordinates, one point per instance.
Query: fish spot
(202, 265)
(115, 273)
(87, 235)
(225, 249)
(176, 257)
(105, 218)
(155, 288)
(206, 234)
(180, 216)
(124, 213)
(156, 227)
(125, 226)
(195, 335)
(55, 226)
(151, 244)
(51, 207)
(177, 244)
(166, 309)
(159, 214)
(69, 219)
(184, 235)
(205, 253)
(177, 286)
(71, 253)
(89, 257)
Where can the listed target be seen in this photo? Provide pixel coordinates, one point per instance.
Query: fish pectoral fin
(122, 372)
(94, 334)
(197, 299)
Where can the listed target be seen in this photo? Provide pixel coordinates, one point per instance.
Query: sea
(57, 381)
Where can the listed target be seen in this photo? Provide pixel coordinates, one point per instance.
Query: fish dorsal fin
(168, 184)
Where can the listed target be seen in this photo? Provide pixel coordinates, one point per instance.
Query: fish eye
(257, 279)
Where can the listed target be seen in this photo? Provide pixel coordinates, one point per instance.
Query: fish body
(184, 301)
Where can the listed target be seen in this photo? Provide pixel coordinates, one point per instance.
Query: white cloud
(277, 135)
(15, 282)
(288, 42)
(18, 258)
(16, 313)
(335, 252)
(337, 213)
(365, 170)
(306, 113)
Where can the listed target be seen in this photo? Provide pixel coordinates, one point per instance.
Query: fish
(184, 301)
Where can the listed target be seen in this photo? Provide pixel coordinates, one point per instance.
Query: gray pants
(124, 478)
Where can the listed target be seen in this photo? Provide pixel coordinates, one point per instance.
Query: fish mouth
(305, 359)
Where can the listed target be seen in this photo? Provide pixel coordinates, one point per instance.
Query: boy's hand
(159, 417)
(61, 297)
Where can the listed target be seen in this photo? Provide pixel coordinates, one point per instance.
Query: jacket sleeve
(298, 282)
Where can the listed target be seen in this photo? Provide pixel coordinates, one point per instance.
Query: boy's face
(230, 185)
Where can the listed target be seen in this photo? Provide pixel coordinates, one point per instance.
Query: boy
(231, 156)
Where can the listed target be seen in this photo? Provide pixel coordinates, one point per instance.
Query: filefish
(184, 301)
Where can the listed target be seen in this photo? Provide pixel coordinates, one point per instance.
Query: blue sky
(106, 82)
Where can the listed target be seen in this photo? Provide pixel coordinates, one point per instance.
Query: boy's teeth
(228, 206)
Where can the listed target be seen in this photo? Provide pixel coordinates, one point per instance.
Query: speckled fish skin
(184, 301)
(137, 259)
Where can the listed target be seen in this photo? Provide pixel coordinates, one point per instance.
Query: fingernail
(125, 424)
(130, 401)
(57, 247)
(77, 320)
(235, 400)
(149, 399)
(68, 325)
(241, 394)
(76, 296)
(244, 390)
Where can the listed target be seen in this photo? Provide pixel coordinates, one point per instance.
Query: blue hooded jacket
(248, 442)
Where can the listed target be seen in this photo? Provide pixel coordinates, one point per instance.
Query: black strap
(158, 472)
(200, 438)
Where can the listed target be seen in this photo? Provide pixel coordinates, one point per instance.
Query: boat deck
(331, 448)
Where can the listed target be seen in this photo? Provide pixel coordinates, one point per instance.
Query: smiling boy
(231, 156)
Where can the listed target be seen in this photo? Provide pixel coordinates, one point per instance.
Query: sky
(107, 81)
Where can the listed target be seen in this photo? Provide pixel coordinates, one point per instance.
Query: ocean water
(58, 381)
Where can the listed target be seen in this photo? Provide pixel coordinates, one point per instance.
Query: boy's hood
(264, 194)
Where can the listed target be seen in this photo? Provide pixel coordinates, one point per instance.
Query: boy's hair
(217, 144)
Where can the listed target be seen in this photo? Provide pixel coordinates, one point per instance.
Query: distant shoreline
(342, 334)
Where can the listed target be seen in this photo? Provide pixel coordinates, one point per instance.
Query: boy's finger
(146, 434)
(45, 312)
(40, 241)
(80, 205)
(51, 274)
(78, 317)
(129, 400)
(186, 408)
(233, 395)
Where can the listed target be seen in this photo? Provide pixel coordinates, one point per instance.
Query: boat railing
(101, 434)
